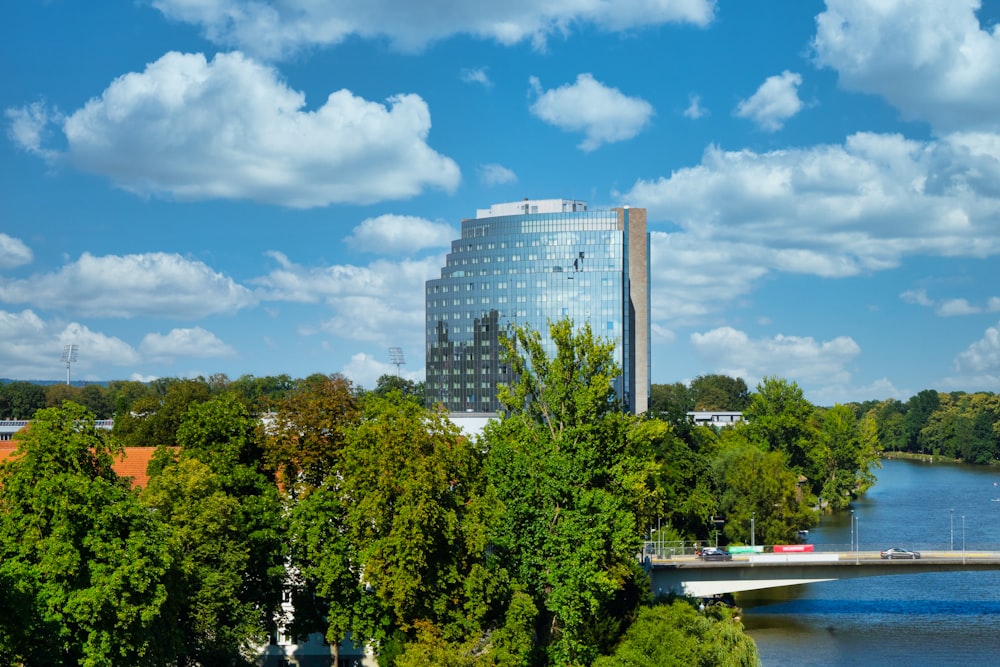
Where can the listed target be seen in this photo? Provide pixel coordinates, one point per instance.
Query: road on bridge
(692, 576)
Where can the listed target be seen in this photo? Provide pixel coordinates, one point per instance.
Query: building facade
(530, 263)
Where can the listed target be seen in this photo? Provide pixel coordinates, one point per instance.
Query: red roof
(132, 463)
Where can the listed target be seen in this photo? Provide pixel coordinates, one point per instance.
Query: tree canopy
(87, 565)
(566, 466)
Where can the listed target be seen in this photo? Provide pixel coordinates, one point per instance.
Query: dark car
(896, 552)
(714, 553)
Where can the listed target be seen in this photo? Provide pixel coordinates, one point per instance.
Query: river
(947, 618)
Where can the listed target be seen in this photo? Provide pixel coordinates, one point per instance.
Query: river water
(946, 618)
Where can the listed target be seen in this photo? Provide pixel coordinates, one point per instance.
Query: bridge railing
(666, 550)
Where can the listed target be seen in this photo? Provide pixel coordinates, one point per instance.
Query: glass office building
(529, 263)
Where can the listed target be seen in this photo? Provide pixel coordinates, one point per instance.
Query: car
(896, 552)
(714, 553)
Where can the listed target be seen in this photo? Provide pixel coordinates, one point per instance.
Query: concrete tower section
(533, 262)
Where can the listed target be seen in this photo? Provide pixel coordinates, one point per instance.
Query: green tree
(307, 435)
(262, 393)
(328, 593)
(58, 393)
(222, 434)
(90, 563)
(216, 621)
(154, 419)
(396, 538)
(719, 392)
(685, 500)
(98, 400)
(418, 516)
(23, 399)
(918, 412)
(848, 450)
(888, 417)
(671, 403)
(780, 418)
(567, 469)
(678, 635)
(408, 388)
(124, 393)
(759, 496)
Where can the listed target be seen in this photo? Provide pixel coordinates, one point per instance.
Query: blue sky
(194, 187)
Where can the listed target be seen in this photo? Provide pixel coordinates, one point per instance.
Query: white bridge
(693, 577)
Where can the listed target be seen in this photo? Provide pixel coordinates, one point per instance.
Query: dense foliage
(384, 524)
(956, 425)
(86, 568)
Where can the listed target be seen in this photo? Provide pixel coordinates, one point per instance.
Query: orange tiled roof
(132, 462)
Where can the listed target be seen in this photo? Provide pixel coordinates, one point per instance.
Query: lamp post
(852, 531)
(753, 531)
(963, 539)
(857, 537)
(952, 528)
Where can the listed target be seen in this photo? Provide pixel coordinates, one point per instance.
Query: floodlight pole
(396, 358)
(69, 356)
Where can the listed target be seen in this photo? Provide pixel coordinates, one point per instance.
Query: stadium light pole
(69, 356)
(396, 358)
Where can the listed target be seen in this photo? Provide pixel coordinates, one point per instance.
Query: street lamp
(852, 531)
(963, 539)
(952, 528)
(753, 530)
(857, 536)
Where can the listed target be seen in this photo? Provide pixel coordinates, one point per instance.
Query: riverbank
(925, 458)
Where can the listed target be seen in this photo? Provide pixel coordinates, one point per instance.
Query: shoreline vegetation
(931, 458)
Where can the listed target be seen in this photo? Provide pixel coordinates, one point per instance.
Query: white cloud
(27, 127)
(154, 284)
(948, 307)
(952, 307)
(879, 390)
(31, 348)
(983, 356)
(20, 335)
(496, 174)
(830, 211)
(229, 128)
(97, 350)
(917, 297)
(603, 114)
(775, 101)
(276, 30)
(400, 235)
(194, 342)
(477, 75)
(692, 279)
(931, 59)
(13, 252)
(799, 359)
(694, 110)
(382, 302)
(365, 370)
